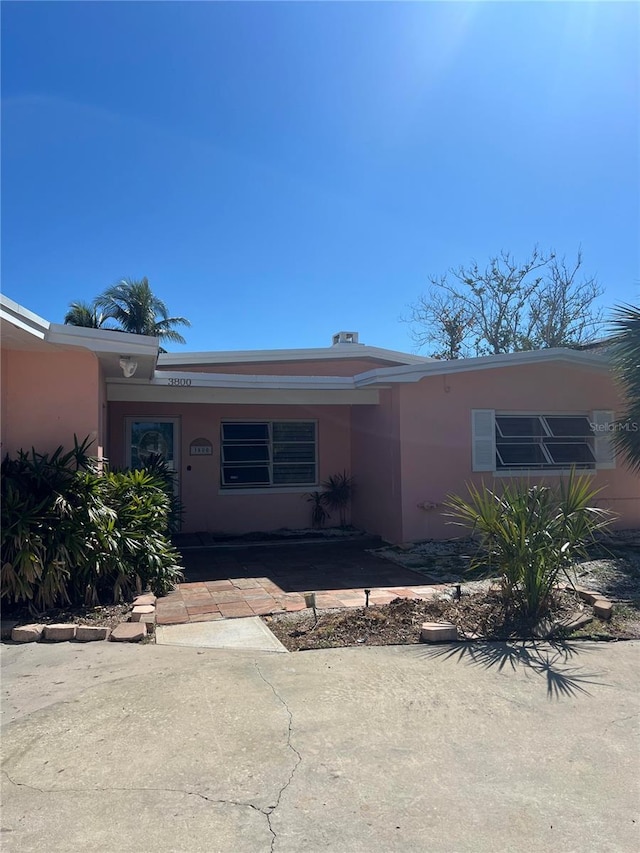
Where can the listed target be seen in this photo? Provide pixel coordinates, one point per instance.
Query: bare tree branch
(507, 307)
(442, 319)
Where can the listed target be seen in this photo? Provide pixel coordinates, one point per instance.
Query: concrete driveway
(486, 748)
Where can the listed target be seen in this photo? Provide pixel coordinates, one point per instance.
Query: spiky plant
(318, 513)
(530, 535)
(336, 494)
(625, 356)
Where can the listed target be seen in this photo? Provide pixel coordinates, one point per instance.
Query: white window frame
(270, 487)
(484, 451)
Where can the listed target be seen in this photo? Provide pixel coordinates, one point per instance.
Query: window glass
(561, 427)
(287, 449)
(294, 452)
(288, 475)
(520, 454)
(543, 442)
(294, 431)
(245, 452)
(570, 454)
(519, 426)
(245, 432)
(245, 475)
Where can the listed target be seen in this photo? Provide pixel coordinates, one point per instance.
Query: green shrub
(318, 513)
(72, 531)
(145, 555)
(530, 535)
(156, 464)
(336, 494)
(38, 543)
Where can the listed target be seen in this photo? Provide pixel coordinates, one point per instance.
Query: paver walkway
(226, 583)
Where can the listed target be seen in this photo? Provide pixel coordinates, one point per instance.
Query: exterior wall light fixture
(128, 365)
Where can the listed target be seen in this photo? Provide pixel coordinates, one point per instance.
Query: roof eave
(22, 318)
(283, 355)
(414, 373)
(102, 340)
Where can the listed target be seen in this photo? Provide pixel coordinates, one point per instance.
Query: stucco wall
(47, 396)
(377, 501)
(207, 507)
(4, 408)
(435, 430)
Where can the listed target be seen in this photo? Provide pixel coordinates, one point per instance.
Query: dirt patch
(479, 615)
(107, 616)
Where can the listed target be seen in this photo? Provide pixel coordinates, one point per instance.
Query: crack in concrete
(129, 788)
(619, 720)
(263, 812)
(268, 812)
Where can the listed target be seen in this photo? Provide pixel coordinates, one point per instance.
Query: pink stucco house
(250, 432)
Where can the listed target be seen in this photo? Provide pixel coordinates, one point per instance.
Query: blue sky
(281, 171)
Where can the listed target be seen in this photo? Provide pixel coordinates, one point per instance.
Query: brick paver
(227, 583)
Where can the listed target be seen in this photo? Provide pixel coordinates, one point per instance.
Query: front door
(160, 436)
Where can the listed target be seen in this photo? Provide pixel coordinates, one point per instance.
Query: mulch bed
(480, 615)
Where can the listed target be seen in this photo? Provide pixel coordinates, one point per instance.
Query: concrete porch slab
(249, 633)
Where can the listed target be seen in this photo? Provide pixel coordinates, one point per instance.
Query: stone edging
(141, 624)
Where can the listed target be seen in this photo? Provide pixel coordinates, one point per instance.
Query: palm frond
(625, 359)
(137, 310)
(85, 314)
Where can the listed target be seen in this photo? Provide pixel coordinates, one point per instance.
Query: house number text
(181, 382)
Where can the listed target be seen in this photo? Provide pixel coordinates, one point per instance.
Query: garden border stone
(438, 632)
(91, 633)
(128, 632)
(27, 633)
(61, 632)
(603, 609)
(140, 610)
(140, 624)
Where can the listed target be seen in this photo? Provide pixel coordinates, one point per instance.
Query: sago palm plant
(530, 535)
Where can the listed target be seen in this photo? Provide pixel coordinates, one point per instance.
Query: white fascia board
(414, 373)
(135, 391)
(188, 379)
(22, 318)
(339, 351)
(102, 340)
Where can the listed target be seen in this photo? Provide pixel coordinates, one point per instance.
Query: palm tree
(133, 305)
(625, 354)
(85, 314)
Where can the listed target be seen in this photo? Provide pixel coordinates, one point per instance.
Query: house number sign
(200, 447)
(182, 383)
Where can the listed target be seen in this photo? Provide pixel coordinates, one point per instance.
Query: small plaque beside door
(201, 447)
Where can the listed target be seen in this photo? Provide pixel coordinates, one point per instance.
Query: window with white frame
(264, 454)
(528, 442)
